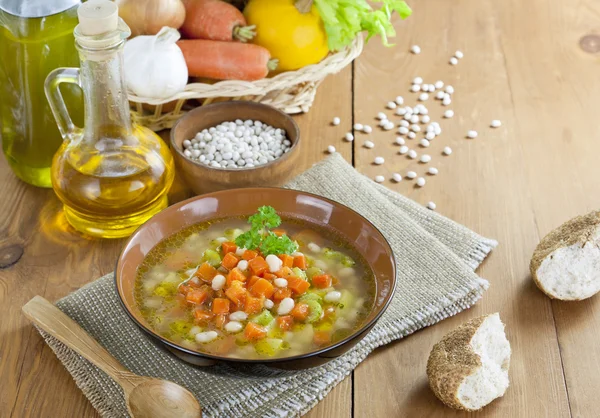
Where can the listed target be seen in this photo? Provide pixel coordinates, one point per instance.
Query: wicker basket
(292, 91)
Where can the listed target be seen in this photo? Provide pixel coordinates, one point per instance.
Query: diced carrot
(202, 316)
(322, 281)
(279, 232)
(236, 275)
(262, 287)
(285, 322)
(258, 266)
(228, 247)
(284, 272)
(219, 294)
(251, 281)
(184, 289)
(321, 337)
(269, 276)
(197, 296)
(236, 292)
(280, 294)
(300, 311)
(335, 281)
(298, 285)
(220, 306)
(253, 305)
(249, 255)
(206, 272)
(288, 260)
(254, 331)
(220, 320)
(300, 262)
(230, 261)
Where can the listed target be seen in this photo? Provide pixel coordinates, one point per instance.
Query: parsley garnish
(261, 238)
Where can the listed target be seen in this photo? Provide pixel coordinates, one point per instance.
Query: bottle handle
(52, 89)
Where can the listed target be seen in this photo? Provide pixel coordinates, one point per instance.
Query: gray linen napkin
(436, 259)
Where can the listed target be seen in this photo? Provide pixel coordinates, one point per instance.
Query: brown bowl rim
(231, 104)
(355, 334)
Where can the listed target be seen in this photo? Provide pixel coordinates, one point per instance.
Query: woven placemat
(435, 256)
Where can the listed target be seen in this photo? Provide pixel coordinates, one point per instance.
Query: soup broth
(238, 303)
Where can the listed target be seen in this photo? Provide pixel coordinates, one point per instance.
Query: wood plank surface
(522, 65)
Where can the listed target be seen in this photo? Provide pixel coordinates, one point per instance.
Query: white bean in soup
(242, 303)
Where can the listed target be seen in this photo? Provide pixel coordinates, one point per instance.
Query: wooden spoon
(144, 396)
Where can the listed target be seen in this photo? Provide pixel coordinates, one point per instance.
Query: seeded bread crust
(451, 360)
(577, 230)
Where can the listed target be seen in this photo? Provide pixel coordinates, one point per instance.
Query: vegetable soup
(274, 288)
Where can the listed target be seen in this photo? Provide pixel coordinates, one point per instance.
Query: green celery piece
(311, 296)
(180, 327)
(264, 318)
(315, 310)
(341, 258)
(211, 257)
(298, 272)
(269, 346)
(313, 271)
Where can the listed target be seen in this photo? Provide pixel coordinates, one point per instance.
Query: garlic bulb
(147, 17)
(154, 65)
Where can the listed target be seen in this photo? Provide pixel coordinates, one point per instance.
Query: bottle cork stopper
(97, 17)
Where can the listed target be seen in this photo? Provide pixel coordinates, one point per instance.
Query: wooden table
(524, 64)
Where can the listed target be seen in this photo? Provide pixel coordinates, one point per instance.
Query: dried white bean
(496, 123)
(418, 80)
(242, 265)
(446, 101)
(415, 88)
(449, 89)
(425, 158)
(425, 119)
(430, 135)
(431, 205)
(313, 247)
(379, 160)
(336, 121)
(381, 116)
(206, 337)
(400, 112)
(279, 282)
(412, 154)
(367, 129)
(453, 61)
(433, 171)
(449, 114)
(286, 306)
(358, 126)
(333, 296)
(447, 151)
(400, 140)
(439, 84)
(233, 327)
(415, 49)
(238, 316)
(423, 97)
(404, 123)
(411, 174)
(472, 134)
(421, 182)
(424, 143)
(399, 100)
(414, 119)
(439, 95)
(415, 128)
(459, 54)
(391, 105)
(403, 149)
(379, 179)
(268, 304)
(403, 130)
(369, 144)
(331, 149)
(397, 177)
(349, 137)
(411, 135)
(218, 282)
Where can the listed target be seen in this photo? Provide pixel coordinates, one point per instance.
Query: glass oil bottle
(111, 175)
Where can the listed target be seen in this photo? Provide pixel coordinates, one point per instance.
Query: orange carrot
(197, 296)
(279, 233)
(298, 285)
(228, 247)
(285, 322)
(253, 305)
(300, 311)
(229, 261)
(226, 60)
(269, 276)
(288, 260)
(251, 281)
(280, 294)
(236, 292)
(300, 262)
(262, 287)
(321, 337)
(284, 272)
(254, 331)
(220, 320)
(216, 20)
(322, 281)
(206, 272)
(258, 266)
(249, 255)
(201, 315)
(235, 274)
(220, 306)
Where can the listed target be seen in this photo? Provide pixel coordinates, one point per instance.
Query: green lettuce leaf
(345, 19)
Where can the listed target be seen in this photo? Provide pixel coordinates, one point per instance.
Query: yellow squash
(295, 39)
